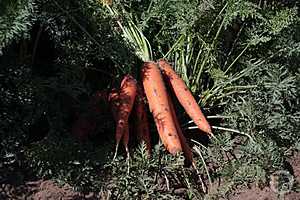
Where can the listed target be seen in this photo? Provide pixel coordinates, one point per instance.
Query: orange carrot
(113, 99)
(127, 96)
(185, 147)
(157, 97)
(122, 103)
(141, 122)
(184, 96)
(121, 127)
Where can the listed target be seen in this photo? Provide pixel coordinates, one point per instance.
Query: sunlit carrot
(184, 96)
(157, 97)
(185, 147)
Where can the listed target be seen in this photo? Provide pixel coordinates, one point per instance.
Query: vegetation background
(239, 58)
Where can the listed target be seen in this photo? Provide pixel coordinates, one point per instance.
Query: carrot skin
(120, 130)
(121, 104)
(127, 96)
(184, 96)
(126, 137)
(185, 147)
(113, 99)
(142, 126)
(156, 94)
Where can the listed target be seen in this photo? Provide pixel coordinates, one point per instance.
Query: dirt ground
(49, 190)
(42, 190)
(267, 193)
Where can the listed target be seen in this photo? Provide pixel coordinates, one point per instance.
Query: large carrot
(141, 121)
(184, 96)
(157, 97)
(122, 105)
(127, 96)
(185, 147)
(114, 101)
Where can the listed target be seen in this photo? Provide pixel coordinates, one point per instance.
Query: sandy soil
(48, 190)
(267, 193)
(42, 190)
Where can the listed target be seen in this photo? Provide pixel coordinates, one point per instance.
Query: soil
(49, 190)
(255, 193)
(42, 190)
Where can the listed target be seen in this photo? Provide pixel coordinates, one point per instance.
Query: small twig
(215, 21)
(199, 176)
(226, 129)
(205, 166)
(218, 117)
(234, 131)
(237, 58)
(233, 45)
(167, 181)
(116, 152)
(128, 160)
(209, 117)
(198, 143)
(241, 87)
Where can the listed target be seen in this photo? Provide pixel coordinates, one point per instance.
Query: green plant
(16, 20)
(149, 177)
(69, 161)
(239, 58)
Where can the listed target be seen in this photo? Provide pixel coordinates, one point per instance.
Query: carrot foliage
(239, 58)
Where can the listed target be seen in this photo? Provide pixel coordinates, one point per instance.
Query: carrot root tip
(116, 151)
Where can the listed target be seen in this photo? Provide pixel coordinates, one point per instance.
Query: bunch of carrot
(129, 98)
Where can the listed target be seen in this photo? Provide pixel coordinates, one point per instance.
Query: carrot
(141, 121)
(185, 147)
(113, 99)
(127, 96)
(115, 109)
(184, 96)
(157, 97)
(122, 102)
